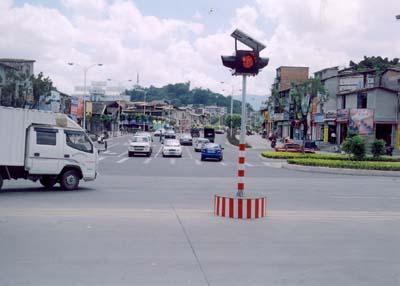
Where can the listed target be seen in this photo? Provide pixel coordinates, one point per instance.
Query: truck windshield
(78, 140)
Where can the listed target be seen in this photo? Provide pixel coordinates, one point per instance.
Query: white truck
(45, 146)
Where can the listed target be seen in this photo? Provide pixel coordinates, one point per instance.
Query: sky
(182, 40)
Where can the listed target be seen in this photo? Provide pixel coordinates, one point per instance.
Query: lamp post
(85, 70)
(398, 104)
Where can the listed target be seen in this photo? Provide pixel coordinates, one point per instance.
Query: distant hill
(180, 94)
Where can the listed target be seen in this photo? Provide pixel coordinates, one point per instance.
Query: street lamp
(85, 70)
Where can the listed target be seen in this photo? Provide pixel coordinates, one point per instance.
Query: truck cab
(52, 150)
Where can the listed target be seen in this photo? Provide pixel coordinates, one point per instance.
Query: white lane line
(106, 152)
(249, 165)
(158, 153)
(101, 158)
(273, 164)
(223, 164)
(122, 160)
(188, 151)
(148, 160)
(172, 161)
(198, 162)
(122, 154)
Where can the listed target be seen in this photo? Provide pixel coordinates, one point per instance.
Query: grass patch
(319, 156)
(347, 164)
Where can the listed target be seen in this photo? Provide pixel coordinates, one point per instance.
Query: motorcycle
(273, 143)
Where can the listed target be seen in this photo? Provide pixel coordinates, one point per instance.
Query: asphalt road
(149, 221)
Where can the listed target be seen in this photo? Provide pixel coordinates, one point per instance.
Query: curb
(340, 171)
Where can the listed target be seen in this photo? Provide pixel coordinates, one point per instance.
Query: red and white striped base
(240, 208)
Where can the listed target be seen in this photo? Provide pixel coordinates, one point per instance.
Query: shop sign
(331, 114)
(319, 118)
(326, 135)
(343, 115)
(362, 121)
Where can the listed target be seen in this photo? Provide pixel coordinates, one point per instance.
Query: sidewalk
(258, 143)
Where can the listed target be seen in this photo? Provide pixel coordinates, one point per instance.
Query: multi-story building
(15, 82)
(281, 121)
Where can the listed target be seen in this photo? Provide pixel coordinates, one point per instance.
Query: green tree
(303, 96)
(355, 145)
(235, 119)
(42, 86)
(378, 63)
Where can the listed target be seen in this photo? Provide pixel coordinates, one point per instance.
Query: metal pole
(242, 145)
(144, 112)
(84, 98)
(244, 119)
(231, 113)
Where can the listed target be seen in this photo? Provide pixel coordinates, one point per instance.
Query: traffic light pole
(242, 143)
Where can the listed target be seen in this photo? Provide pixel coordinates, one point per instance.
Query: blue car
(212, 151)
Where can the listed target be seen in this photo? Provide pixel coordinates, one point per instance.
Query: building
(15, 82)
(280, 117)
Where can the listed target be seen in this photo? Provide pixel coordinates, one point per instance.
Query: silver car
(199, 143)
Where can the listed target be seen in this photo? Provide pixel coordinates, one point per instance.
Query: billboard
(76, 107)
(362, 121)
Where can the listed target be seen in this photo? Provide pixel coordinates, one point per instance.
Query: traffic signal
(245, 62)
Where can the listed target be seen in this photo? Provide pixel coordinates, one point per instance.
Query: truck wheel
(48, 182)
(1, 181)
(69, 180)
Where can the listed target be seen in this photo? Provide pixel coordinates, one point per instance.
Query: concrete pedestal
(248, 207)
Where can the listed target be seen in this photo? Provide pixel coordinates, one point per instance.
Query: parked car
(212, 151)
(219, 131)
(172, 147)
(199, 143)
(140, 144)
(186, 139)
(293, 147)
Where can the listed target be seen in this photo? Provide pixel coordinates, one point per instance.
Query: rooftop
(9, 60)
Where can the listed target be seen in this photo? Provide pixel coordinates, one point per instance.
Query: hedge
(290, 155)
(366, 165)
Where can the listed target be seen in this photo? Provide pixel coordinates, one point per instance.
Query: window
(78, 140)
(362, 100)
(46, 136)
(343, 101)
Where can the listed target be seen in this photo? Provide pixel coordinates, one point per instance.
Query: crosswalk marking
(158, 153)
(101, 158)
(122, 160)
(249, 165)
(148, 160)
(198, 162)
(172, 161)
(223, 164)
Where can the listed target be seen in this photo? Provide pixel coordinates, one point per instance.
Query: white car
(140, 144)
(172, 147)
(199, 144)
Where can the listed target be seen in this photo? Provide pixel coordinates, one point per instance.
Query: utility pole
(85, 70)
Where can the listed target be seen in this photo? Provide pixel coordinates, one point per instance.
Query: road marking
(101, 158)
(188, 151)
(198, 162)
(122, 154)
(172, 161)
(113, 145)
(148, 160)
(158, 153)
(122, 160)
(249, 165)
(223, 164)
